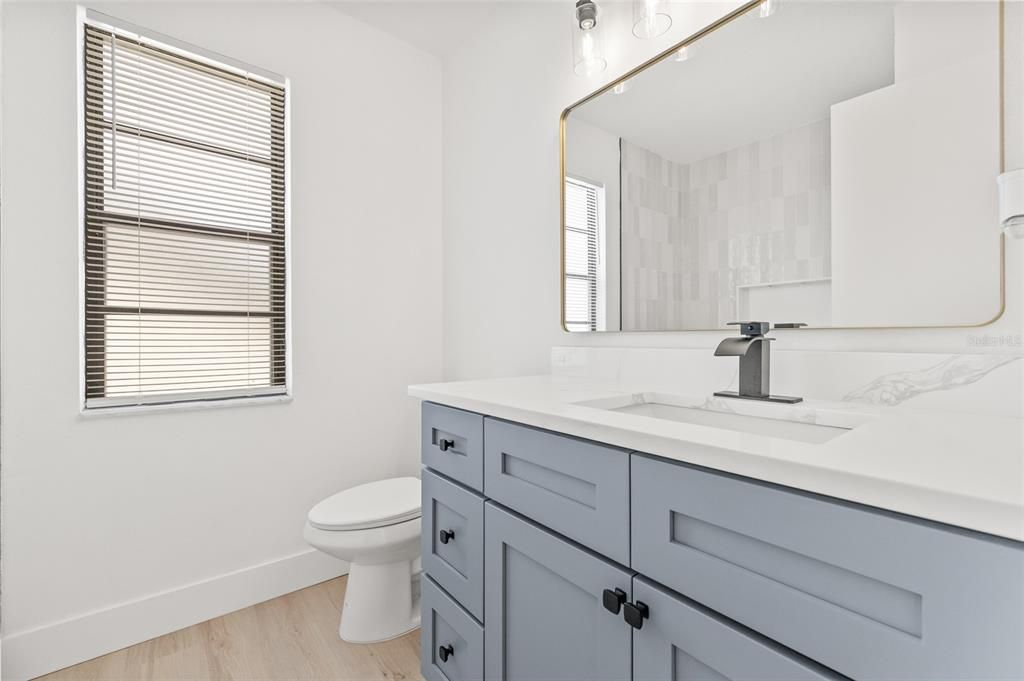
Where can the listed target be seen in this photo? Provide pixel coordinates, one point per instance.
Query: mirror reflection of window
(584, 205)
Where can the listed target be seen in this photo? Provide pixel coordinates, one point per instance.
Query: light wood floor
(294, 637)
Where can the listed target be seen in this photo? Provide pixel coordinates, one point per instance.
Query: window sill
(191, 405)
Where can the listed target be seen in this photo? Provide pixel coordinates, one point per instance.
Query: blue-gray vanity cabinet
(681, 641)
(452, 443)
(451, 642)
(576, 487)
(545, 618)
(869, 594)
(453, 540)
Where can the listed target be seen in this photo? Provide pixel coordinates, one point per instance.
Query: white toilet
(376, 528)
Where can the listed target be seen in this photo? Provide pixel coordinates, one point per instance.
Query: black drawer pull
(444, 652)
(613, 600)
(446, 536)
(635, 614)
(445, 445)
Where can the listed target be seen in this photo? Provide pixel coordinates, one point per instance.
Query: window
(184, 217)
(582, 206)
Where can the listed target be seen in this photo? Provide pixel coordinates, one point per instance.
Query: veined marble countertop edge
(964, 470)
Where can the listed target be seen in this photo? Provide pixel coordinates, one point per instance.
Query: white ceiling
(439, 28)
(753, 79)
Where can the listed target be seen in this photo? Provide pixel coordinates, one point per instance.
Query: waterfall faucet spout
(754, 350)
(738, 347)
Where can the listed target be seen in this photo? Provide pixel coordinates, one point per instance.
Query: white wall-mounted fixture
(1011, 202)
(768, 7)
(587, 50)
(651, 18)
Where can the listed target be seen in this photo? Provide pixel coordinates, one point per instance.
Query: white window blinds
(184, 220)
(581, 255)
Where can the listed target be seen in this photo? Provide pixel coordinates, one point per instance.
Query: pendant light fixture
(651, 18)
(587, 50)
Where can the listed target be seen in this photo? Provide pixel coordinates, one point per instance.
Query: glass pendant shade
(651, 18)
(1014, 227)
(1011, 202)
(587, 48)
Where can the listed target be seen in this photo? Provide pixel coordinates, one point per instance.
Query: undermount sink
(800, 422)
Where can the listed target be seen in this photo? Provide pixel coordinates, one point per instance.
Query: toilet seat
(375, 504)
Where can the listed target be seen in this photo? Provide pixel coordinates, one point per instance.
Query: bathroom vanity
(565, 537)
(576, 530)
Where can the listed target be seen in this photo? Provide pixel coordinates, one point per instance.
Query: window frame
(183, 400)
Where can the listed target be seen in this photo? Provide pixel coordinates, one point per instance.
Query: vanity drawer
(575, 487)
(867, 593)
(451, 642)
(453, 443)
(681, 641)
(453, 540)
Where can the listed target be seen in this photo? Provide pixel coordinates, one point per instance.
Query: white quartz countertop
(961, 469)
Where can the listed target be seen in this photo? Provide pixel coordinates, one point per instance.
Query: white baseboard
(32, 653)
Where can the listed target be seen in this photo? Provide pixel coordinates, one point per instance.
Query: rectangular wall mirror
(832, 164)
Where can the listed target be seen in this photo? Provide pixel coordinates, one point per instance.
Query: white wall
(912, 169)
(501, 149)
(119, 528)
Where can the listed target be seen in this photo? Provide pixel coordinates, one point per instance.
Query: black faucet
(754, 351)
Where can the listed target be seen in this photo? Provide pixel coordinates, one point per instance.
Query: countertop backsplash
(991, 384)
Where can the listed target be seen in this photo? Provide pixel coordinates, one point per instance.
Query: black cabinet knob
(444, 652)
(445, 445)
(613, 600)
(635, 614)
(446, 536)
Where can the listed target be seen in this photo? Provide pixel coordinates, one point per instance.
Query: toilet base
(381, 602)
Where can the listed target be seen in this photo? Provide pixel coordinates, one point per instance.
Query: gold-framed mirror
(832, 164)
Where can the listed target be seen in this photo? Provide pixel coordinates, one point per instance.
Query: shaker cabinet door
(578, 488)
(451, 642)
(867, 593)
(453, 540)
(682, 641)
(545, 614)
(452, 443)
